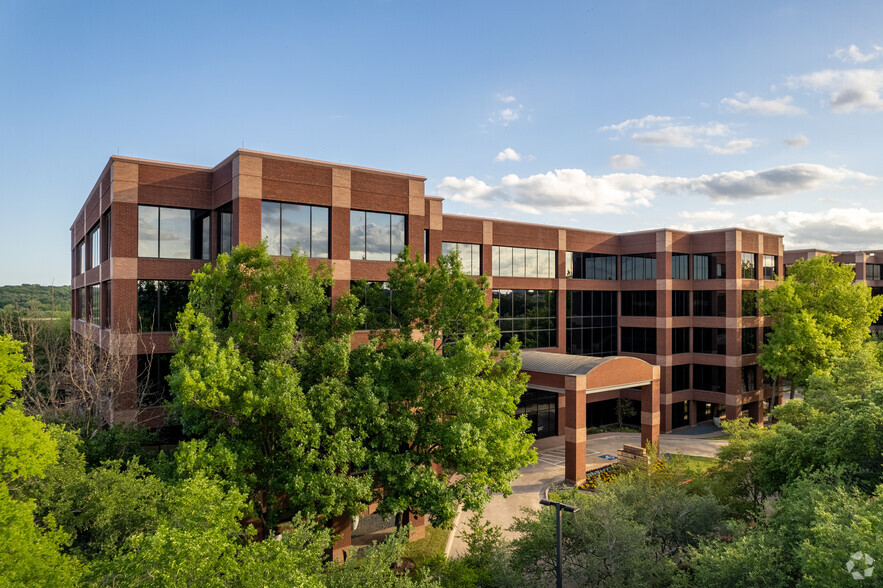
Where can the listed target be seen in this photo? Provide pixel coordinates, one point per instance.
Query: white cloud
(507, 98)
(624, 161)
(575, 190)
(796, 142)
(507, 114)
(734, 146)
(508, 154)
(853, 54)
(712, 215)
(834, 229)
(669, 132)
(756, 105)
(849, 90)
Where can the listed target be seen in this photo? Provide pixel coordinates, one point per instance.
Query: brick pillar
(574, 432)
(691, 407)
(341, 526)
(754, 411)
(650, 413)
(418, 524)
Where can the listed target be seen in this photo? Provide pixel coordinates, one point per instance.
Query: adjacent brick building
(677, 300)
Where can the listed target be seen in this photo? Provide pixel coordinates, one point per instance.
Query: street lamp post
(559, 506)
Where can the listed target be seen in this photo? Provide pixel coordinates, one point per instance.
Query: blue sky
(614, 116)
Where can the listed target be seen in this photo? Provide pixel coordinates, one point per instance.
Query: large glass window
(749, 378)
(173, 233)
(680, 266)
(105, 305)
(81, 257)
(639, 267)
(592, 323)
(639, 303)
(680, 377)
(94, 247)
(470, 256)
(80, 306)
(541, 408)
(749, 303)
(376, 236)
(153, 389)
(376, 298)
(709, 340)
(518, 262)
(680, 340)
(680, 303)
(530, 315)
(287, 227)
(159, 302)
(590, 266)
(872, 271)
(709, 303)
(93, 294)
(749, 266)
(712, 378)
(106, 243)
(769, 267)
(638, 340)
(225, 229)
(709, 266)
(749, 340)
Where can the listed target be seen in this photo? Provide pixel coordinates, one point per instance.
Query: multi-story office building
(682, 302)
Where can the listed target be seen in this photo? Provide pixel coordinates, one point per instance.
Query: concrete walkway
(549, 470)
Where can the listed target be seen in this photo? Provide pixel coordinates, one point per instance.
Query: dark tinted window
(712, 378)
(591, 323)
(159, 302)
(709, 340)
(638, 267)
(749, 378)
(749, 303)
(709, 266)
(680, 340)
(530, 315)
(680, 377)
(749, 341)
(709, 303)
(680, 266)
(638, 340)
(153, 389)
(680, 303)
(638, 303)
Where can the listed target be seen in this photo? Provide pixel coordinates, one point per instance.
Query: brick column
(418, 524)
(650, 417)
(692, 408)
(341, 526)
(574, 432)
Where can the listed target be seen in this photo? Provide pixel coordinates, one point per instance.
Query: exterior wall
(245, 178)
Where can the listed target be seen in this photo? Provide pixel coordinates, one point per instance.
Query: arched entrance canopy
(578, 376)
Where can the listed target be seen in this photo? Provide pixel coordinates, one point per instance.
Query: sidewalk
(549, 469)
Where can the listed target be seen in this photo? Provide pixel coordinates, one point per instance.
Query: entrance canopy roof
(591, 373)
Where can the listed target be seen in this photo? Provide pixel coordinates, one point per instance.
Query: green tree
(259, 376)
(437, 398)
(819, 314)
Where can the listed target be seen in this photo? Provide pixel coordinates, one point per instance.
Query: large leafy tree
(438, 397)
(819, 314)
(259, 376)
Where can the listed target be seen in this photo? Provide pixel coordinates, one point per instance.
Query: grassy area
(721, 436)
(695, 464)
(431, 545)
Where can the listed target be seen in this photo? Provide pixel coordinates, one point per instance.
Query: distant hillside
(33, 296)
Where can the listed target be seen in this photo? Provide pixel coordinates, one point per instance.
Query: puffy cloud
(796, 142)
(575, 190)
(849, 90)
(734, 146)
(507, 98)
(508, 114)
(853, 54)
(508, 154)
(834, 229)
(667, 131)
(755, 105)
(624, 161)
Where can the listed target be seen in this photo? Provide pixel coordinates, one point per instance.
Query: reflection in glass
(148, 231)
(174, 235)
(271, 222)
(357, 234)
(159, 302)
(295, 233)
(377, 236)
(396, 235)
(535, 320)
(319, 232)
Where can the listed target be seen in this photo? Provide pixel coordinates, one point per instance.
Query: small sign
(608, 457)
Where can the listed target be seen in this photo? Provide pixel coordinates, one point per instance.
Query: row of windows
(92, 304)
(749, 266)
(590, 266)
(591, 323)
(712, 378)
(159, 302)
(94, 249)
(518, 262)
(290, 227)
(174, 233)
(470, 256)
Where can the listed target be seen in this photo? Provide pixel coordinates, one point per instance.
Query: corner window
(225, 229)
(470, 256)
(173, 233)
(376, 236)
(769, 267)
(290, 227)
(749, 266)
(709, 266)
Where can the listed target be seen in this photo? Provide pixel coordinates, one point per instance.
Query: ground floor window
(609, 412)
(153, 389)
(542, 410)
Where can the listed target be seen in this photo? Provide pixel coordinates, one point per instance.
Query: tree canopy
(819, 315)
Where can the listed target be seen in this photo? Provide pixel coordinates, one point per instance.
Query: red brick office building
(681, 302)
